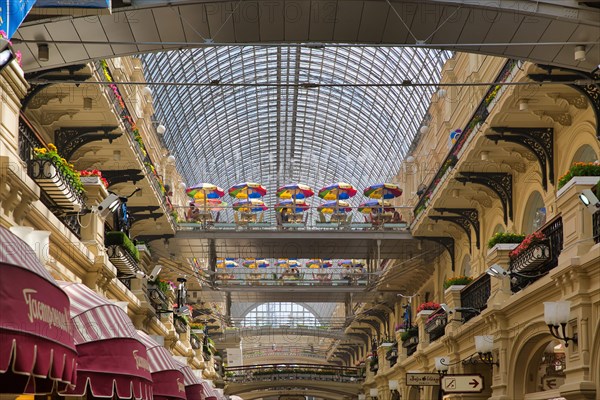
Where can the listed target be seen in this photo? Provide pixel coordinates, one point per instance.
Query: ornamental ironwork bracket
(71, 139)
(50, 75)
(470, 216)
(589, 86)
(499, 182)
(115, 176)
(540, 141)
(447, 242)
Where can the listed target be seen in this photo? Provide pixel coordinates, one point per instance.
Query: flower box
(91, 180)
(576, 181)
(531, 258)
(56, 185)
(454, 288)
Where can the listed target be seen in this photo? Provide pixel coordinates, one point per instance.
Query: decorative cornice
(563, 118)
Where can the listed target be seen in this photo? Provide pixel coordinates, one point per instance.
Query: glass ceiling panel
(284, 134)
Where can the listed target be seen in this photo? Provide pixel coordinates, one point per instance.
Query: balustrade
(540, 257)
(475, 296)
(596, 226)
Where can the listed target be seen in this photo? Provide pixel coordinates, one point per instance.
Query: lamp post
(556, 316)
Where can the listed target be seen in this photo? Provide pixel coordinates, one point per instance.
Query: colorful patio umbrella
(282, 263)
(247, 190)
(383, 191)
(338, 207)
(227, 263)
(375, 206)
(253, 263)
(249, 205)
(327, 263)
(295, 207)
(205, 191)
(348, 263)
(295, 191)
(337, 191)
(314, 263)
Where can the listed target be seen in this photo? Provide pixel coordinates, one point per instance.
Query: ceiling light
(410, 159)
(43, 52)
(160, 129)
(442, 93)
(424, 129)
(580, 53)
(523, 105)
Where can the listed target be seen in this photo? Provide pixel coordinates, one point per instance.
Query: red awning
(112, 359)
(169, 382)
(209, 392)
(193, 384)
(37, 350)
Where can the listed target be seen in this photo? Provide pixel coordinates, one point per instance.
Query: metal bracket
(115, 176)
(499, 182)
(589, 86)
(447, 242)
(540, 141)
(468, 217)
(50, 75)
(70, 139)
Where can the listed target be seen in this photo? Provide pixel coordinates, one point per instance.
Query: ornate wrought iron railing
(436, 325)
(158, 299)
(540, 257)
(475, 296)
(392, 355)
(45, 170)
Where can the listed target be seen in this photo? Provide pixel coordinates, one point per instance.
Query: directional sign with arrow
(462, 383)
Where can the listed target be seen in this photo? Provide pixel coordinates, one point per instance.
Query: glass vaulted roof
(290, 120)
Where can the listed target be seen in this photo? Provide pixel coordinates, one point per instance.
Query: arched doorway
(543, 362)
(414, 393)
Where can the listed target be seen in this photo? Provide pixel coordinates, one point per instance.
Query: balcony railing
(475, 296)
(436, 325)
(58, 193)
(392, 355)
(540, 257)
(596, 227)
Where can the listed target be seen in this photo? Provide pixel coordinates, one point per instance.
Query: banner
(73, 3)
(12, 13)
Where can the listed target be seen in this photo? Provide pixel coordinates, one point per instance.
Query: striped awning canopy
(193, 384)
(103, 328)
(37, 348)
(168, 380)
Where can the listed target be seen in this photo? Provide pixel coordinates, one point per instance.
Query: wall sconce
(6, 53)
(556, 315)
(484, 345)
(393, 385)
(441, 365)
(87, 103)
(523, 105)
(43, 52)
(579, 53)
(373, 392)
(590, 201)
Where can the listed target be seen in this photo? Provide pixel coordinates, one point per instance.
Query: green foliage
(457, 280)
(579, 169)
(410, 332)
(505, 237)
(68, 170)
(121, 239)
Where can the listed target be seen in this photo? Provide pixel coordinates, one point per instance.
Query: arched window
(585, 154)
(466, 266)
(499, 229)
(535, 213)
(280, 314)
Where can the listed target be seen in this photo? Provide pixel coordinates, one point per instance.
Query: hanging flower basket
(56, 185)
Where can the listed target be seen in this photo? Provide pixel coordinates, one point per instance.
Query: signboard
(418, 379)
(462, 383)
(12, 13)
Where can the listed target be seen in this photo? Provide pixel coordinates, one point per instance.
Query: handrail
(475, 296)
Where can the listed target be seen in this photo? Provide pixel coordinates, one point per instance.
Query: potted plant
(121, 241)
(197, 327)
(428, 306)
(57, 177)
(505, 238)
(457, 280)
(410, 337)
(580, 169)
(93, 177)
